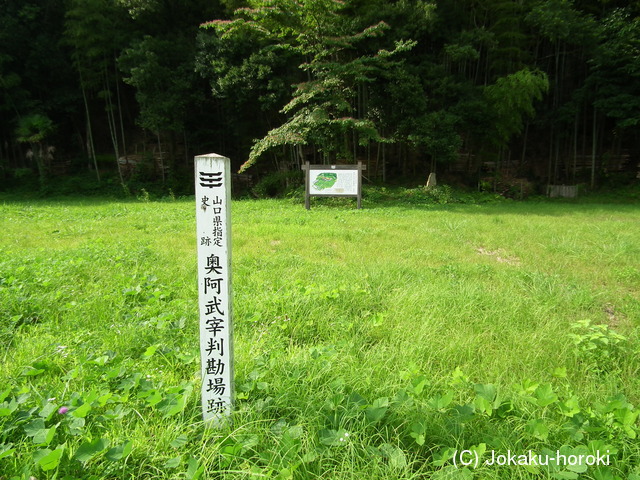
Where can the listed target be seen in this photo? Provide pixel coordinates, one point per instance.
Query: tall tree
(34, 74)
(565, 39)
(162, 73)
(614, 80)
(615, 69)
(512, 99)
(98, 30)
(323, 110)
(160, 66)
(34, 130)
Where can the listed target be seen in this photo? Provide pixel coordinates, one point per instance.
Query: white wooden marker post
(213, 223)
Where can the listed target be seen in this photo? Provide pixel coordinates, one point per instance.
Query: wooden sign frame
(333, 181)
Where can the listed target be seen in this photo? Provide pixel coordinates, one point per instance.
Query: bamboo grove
(542, 91)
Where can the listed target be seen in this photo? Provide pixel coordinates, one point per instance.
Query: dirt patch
(614, 320)
(500, 255)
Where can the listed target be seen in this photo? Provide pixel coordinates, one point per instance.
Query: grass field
(370, 344)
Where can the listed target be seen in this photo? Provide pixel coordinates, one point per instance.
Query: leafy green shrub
(508, 186)
(277, 184)
(439, 195)
(597, 345)
(20, 179)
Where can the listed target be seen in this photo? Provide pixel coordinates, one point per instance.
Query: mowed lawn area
(396, 341)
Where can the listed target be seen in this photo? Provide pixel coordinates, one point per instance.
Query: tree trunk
(91, 150)
(124, 142)
(161, 158)
(384, 163)
(593, 150)
(524, 145)
(575, 147)
(112, 123)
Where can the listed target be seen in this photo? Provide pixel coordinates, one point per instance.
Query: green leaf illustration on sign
(325, 180)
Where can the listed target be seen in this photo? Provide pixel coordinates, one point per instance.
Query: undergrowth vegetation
(419, 339)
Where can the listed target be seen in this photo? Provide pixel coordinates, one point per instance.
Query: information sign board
(333, 181)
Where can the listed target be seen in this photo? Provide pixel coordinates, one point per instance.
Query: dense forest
(490, 93)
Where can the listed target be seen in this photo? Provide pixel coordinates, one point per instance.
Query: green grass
(369, 343)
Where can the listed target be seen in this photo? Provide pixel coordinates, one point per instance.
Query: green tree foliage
(534, 86)
(323, 109)
(33, 130)
(512, 98)
(565, 38)
(615, 69)
(162, 79)
(34, 74)
(97, 30)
